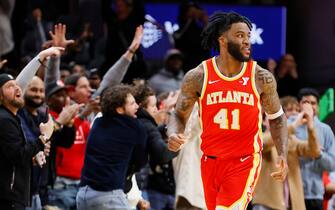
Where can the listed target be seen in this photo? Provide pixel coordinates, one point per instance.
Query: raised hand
(135, 44)
(68, 113)
(58, 37)
(171, 100)
(308, 114)
(92, 106)
(52, 51)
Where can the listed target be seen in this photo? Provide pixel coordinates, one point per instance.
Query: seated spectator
(116, 139)
(170, 77)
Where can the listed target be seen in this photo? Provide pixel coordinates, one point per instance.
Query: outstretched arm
(58, 40)
(115, 74)
(190, 91)
(31, 68)
(267, 86)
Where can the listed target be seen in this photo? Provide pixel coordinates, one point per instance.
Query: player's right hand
(176, 141)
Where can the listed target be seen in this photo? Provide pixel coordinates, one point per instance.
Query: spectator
(170, 77)
(312, 169)
(16, 153)
(270, 194)
(36, 33)
(69, 161)
(122, 23)
(31, 117)
(64, 73)
(116, 139)
(94, 78)
(191, 19)
(6, 10)
(161, 185)
(329, 186)
(287, 76)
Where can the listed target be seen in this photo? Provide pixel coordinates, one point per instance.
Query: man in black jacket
(32, 115)
(16, 154)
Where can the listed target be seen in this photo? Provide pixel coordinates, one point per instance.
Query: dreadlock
(219, 23)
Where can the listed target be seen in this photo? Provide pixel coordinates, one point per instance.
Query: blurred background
(293, 39)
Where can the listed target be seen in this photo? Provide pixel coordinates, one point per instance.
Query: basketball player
(230, 89)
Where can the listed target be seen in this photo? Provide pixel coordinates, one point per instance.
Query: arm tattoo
(267, 85)
(278, 128)
(265, 77)
(190, 89)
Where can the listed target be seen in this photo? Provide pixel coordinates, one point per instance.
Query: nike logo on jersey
(244, 81)
(213, 81)
(244, 159)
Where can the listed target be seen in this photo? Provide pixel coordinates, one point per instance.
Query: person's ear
(120, 110)
(222, 40)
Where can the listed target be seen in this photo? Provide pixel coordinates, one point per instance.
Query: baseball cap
(5, 78)
(173, 52)
(54, 87)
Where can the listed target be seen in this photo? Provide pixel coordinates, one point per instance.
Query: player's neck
(228, 65)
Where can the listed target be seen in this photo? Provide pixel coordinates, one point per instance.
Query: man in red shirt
(230, 89)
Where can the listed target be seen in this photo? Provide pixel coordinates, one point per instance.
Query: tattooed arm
(266, 86)
(190, 91)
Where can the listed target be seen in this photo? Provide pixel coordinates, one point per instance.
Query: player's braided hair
(218, 23)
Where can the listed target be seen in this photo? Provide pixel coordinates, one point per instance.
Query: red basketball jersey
(230, 112)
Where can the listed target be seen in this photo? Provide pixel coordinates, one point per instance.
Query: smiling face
(34, 95)
(237, 41)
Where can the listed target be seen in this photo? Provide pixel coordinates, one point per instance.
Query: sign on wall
(268, 35)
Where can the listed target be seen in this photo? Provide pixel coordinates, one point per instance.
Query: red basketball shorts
(229, 183)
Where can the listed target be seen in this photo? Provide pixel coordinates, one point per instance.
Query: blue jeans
(35, 203)
(64, 193)
(159, 201)
(89, 199)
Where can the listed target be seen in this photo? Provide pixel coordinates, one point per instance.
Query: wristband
(275, 115)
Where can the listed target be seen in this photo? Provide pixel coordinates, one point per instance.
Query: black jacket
(157, 146)
(159, 154)
(64, 137)
(15, 159)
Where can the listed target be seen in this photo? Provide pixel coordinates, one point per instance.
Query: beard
(29, 101)
(17, 103)
(235, 51)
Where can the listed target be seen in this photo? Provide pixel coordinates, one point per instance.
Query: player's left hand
(282, 169)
